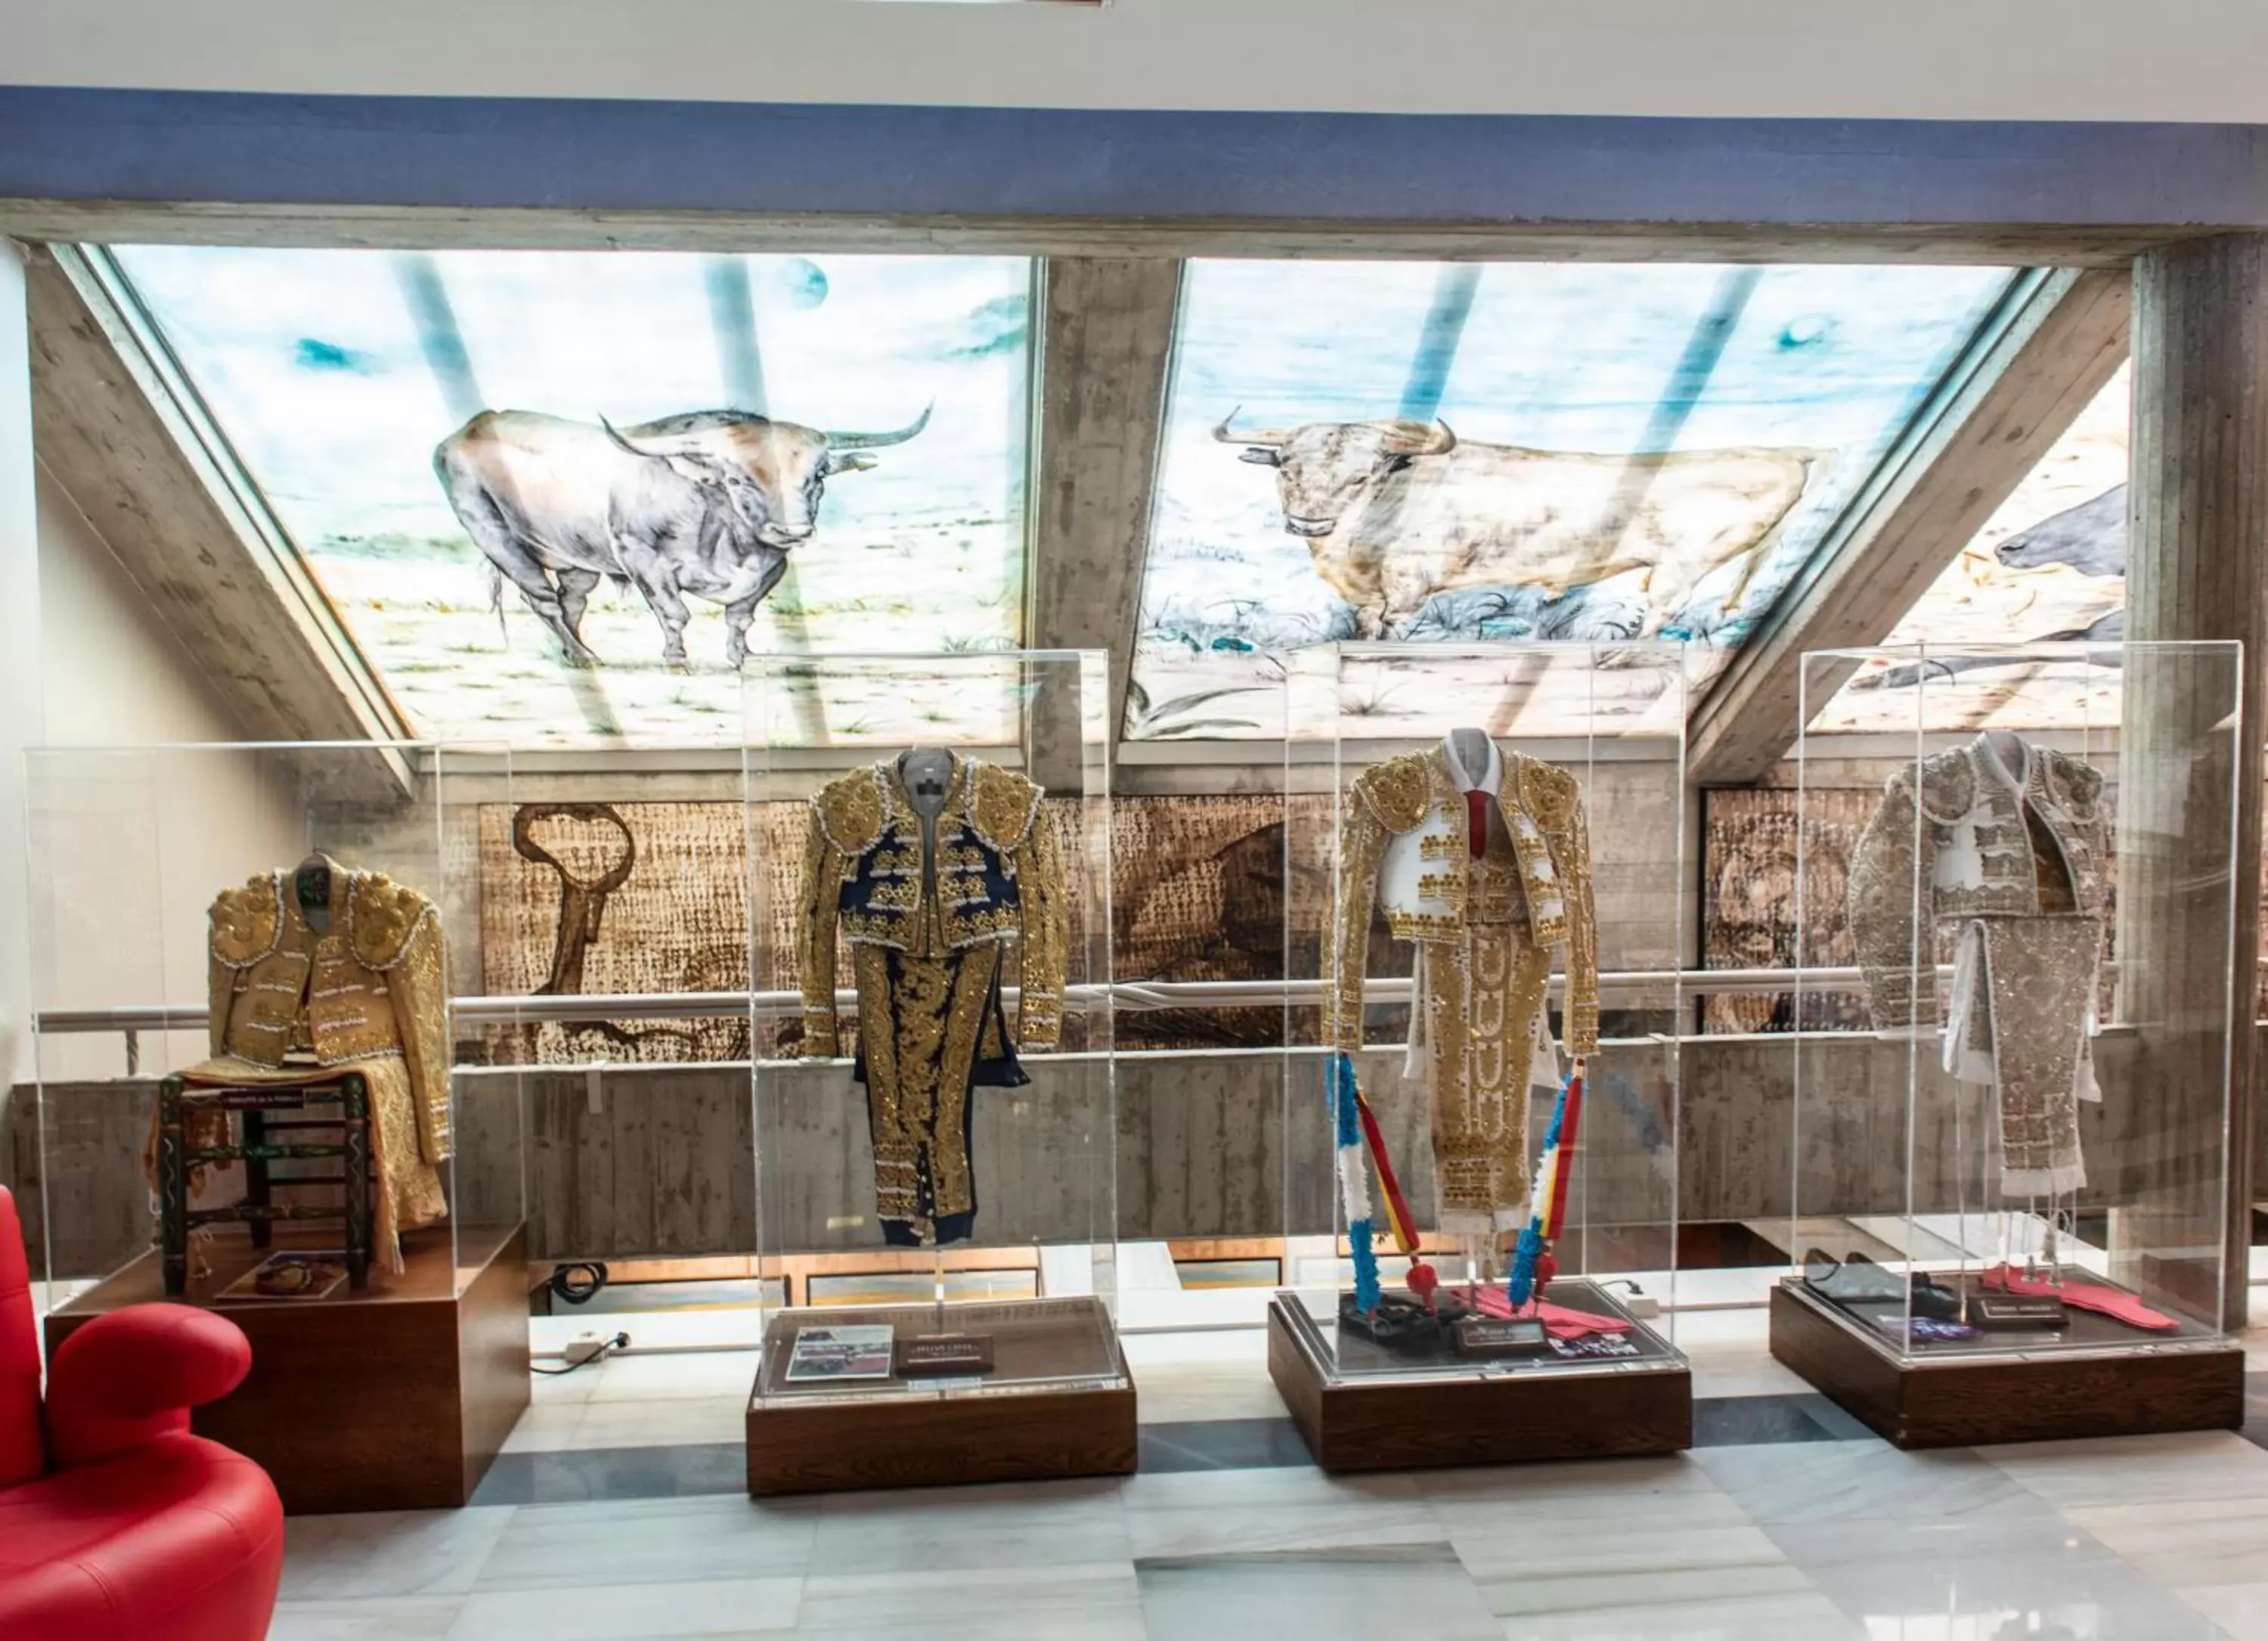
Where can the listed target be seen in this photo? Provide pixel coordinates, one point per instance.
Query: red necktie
(1476, 812)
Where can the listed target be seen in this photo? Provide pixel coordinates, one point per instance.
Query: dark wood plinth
(1448, 1418)
(1060, 1402)
(2050, 1396)
(397, 1398)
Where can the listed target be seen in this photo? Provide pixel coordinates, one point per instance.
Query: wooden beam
(439, 227)
(119, 428)
(1997, 413)
(1109, 335)
(2196, 570)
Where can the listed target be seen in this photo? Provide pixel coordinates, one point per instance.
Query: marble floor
(618, 1511)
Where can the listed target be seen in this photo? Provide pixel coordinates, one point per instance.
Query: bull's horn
(614, 434)
(876, 441)
(1418, 439)
(1223, 433)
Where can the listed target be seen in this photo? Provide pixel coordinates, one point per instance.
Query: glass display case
(933, 1073)
(260, 1090)
(2017, 992)
(1483, 1125)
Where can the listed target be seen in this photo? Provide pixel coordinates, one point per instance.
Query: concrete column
(21, 706)
(2190, 774)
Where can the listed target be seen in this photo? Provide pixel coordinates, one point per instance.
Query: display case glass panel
(259, 922)
(2016, 994)
(933, 1075)
(1461, 986)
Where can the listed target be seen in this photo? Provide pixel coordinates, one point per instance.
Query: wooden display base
(1450, 1417)
(396, 1398)
(1961, 1399)
(1058, 1402)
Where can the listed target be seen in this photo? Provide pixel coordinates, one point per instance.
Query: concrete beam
(448, 227)
(1109, 335)
(117, 425)
(1997, 415)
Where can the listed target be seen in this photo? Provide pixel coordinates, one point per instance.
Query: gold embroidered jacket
(368, 988)
(1544, 884)
(1965, 836)
(998, 876)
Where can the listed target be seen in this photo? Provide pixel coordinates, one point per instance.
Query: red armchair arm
(125, 1379)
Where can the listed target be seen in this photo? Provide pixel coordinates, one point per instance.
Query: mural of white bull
(706, 505)
(1394, 511)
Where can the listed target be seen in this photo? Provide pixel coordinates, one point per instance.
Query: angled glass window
(1517, 450)
(2049, 565)
(416, 421)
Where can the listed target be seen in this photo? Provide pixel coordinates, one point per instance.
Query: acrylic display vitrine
(257, 1091)
(932, 1076)
(2010, 1191)
(1483, 1244)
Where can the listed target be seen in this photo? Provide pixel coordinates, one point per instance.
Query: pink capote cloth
(2114, 1302)
(1558, 1320)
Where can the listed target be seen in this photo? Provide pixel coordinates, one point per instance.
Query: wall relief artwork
(1749, 899)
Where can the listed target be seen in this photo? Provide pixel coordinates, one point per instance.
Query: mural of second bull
(559, 496)
(1518, 451)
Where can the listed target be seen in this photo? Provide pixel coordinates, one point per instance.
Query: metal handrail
(1135, 995)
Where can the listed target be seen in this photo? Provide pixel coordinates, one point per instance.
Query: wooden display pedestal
(1566, 1411)
(1959, 1401)
(1058, 1402)
(396, 1398)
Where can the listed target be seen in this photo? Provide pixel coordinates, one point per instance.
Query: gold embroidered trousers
(1479, 1002)
(2019, 1026)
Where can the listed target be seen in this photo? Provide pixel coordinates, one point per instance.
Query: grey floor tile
(2194, 1542)
(667, 1540)
(2240, 1609)
(954, 1528)
(1815, 1481)
(1746, 1421)
(1251, 1513)
(2193, 1465)
(1095, 1602)
(708, 1608)
(1795, 1615)
(600, 1474)
(388, 1552)
(396, 1618)
(1222, 1444)
(1417, 1589)
(1985, 1574)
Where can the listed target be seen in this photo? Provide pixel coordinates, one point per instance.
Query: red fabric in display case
(115, 1523)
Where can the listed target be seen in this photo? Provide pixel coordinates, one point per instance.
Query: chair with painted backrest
(116, 1524)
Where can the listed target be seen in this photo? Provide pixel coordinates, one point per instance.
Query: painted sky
(1569, 357)
(333, 377)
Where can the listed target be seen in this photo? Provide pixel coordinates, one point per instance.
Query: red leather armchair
(115, 1523)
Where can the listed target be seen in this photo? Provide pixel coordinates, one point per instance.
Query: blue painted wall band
(471, 153)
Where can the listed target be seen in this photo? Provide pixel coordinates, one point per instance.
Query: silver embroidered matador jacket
(2009, 844)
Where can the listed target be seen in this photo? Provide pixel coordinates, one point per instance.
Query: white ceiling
(2191, 60)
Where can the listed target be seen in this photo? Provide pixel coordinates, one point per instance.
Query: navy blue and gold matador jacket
(927, 938)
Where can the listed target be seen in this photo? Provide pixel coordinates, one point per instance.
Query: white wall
(128, 850)
(2176, 60)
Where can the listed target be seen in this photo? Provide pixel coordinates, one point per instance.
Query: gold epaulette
(246, 922)
(849, 810)
(1001, 805)
(382, 916)
(1398, 791)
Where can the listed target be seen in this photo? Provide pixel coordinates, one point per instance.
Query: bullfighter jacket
(1485, 921)
(926, 919)
(291, 1003)
(2015, 861)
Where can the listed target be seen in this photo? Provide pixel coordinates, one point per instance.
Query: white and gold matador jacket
(1485, 927)
(290, 1003)
(2016, 859)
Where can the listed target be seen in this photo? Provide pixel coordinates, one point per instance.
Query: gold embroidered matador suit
(925, 927)
(293, 1004)
(1485, 925)
(2015, 858)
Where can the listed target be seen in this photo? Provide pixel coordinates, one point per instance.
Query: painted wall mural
(557, 496)
(1518, 451)
(2048, 566)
